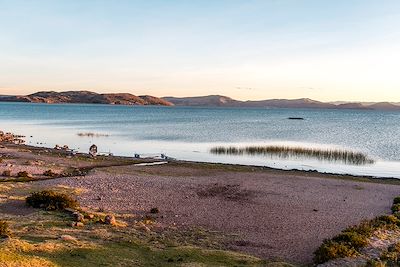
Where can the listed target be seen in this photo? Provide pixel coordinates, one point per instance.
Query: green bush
(396, 200)
(50, 200)
(395, 208)
(4, 229)
(330, 250)
(385, 221)
(365, 228)
(352, 239)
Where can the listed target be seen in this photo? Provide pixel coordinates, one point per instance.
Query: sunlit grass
(332, 155)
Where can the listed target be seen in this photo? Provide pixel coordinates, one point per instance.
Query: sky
(249, 49)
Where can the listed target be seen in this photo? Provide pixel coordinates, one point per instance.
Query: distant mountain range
(199, 101)
(223, 101)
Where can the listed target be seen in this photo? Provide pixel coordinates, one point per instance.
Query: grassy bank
(353, 241)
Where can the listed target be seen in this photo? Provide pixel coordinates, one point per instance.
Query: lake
(188, 133)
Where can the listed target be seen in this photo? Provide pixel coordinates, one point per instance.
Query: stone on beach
(110, 219)
(78, 217)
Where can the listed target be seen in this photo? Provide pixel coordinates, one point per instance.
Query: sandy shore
(274, 214)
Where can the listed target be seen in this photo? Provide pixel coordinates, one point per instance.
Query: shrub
(395, 208)
(154, 210)
(50, 200)
(7, 173)
(330, 250)
(384, 221)
(365, 228)
(23, 174)
(50, 173)
(353, 239)
(4, 229)
(396, 200)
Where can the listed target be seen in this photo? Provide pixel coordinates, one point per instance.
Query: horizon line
(216, 94)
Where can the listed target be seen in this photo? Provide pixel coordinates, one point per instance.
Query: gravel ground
(276, 214)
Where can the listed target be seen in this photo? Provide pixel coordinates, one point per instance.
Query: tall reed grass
(92, 135)
(331, 155)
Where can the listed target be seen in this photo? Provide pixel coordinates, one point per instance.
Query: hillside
(223, 101)
(87, 97)
(211, 100)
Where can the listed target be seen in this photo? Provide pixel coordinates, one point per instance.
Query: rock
(110, 219)
(78, 216)
(68, 238)
(154, 210)
(89, 216)
(77, 224)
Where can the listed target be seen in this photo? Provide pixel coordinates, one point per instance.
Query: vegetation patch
(89, 134)
(335, 155)
(353, 239)
(50, 173)
(51, 200)
(24, 174)
(4, 229)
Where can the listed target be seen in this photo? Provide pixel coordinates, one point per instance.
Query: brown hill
(87, 97)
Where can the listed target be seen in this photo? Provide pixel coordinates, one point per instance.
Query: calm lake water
(188, 133)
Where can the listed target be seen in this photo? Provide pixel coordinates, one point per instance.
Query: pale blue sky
(327, 50)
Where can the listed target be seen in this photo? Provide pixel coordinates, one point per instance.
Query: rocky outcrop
(11, 138)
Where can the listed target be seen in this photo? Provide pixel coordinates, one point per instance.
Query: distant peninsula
(87, 97)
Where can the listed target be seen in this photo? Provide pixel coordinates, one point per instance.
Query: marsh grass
(332, 155)
(92, 135)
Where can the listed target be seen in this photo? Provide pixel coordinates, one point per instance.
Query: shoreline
(361, 178)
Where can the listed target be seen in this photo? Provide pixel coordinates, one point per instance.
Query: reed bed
(331, 155)
(92, 135)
